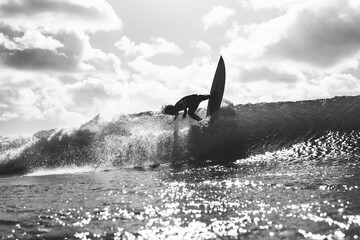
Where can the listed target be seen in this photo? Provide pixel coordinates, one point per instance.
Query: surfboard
(218, 86)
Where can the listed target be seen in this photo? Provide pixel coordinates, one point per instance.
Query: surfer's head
(169, 110)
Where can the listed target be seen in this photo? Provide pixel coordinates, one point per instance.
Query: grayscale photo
(179, 119)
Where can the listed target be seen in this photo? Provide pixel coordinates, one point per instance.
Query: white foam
(60, 171)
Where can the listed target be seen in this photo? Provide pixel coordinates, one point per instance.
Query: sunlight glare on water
(283, 202)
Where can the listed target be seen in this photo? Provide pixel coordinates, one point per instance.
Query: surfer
(188, 104)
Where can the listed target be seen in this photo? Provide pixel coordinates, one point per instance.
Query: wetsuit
(189, 104)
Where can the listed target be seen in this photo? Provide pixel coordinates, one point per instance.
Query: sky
(62, 62)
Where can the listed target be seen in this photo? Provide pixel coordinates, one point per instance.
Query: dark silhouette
(188, 104)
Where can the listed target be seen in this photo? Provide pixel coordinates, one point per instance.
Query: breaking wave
(318, 129)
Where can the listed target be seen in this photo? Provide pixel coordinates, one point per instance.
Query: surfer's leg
(185, 112)
(192, 114)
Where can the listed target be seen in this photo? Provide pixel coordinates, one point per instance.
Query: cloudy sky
(64, 61)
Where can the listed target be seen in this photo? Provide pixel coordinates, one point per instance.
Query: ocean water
(287, 170)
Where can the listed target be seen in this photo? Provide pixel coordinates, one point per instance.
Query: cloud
(218, 16)
(61, 52)
(324, 37)
(321, 35)
(12, 79)
(321, 38)
(35, 39)
(268, 74)
(6, 43)
(303, 53)
(27, 95)
(53, 35)
(172, 76)
(44, 42)
(340, 85)
(95, 60)
(157, 46)
(303, 89)
(21, 94)
(201, 46)
(18, 103)
(91, 93)
(57, 15)
(153, 85)
(275, 4)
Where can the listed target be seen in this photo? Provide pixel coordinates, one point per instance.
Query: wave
(321, 129)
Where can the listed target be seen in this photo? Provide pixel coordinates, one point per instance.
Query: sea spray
(59, 149)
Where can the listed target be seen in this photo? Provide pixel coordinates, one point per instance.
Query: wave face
(319, 129)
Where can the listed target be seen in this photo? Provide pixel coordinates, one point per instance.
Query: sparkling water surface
(245, 200)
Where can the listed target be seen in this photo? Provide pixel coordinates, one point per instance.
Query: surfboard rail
(217, 88)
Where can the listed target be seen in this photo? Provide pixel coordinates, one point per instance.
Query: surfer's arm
(176, 116)
(204, 97)
(185, 113)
